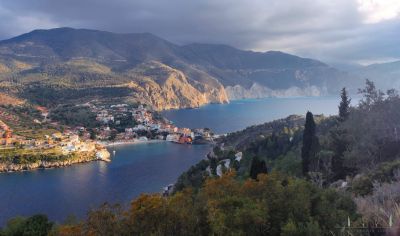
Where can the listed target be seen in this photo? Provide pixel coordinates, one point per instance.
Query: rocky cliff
(167, 88)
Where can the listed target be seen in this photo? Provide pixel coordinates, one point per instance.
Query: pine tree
(344, 105)
(310, 143)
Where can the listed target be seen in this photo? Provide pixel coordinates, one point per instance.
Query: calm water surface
(138, 168)
(225, 118)
(135, 169)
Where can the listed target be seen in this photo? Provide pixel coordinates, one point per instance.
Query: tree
(113, 135)
(371, 95)
(339, 145)
(92, 134)
(14, 226)
(257, 167)
(310, 143)
(34, 225)
(37, 225)
(105, 220)
(344, 105)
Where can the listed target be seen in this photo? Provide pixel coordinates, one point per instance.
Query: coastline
(9, 167)
(130, 142)
(12, 168)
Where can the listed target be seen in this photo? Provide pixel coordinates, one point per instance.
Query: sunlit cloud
(379, 10)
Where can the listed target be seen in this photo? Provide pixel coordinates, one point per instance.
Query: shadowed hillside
(85, 62)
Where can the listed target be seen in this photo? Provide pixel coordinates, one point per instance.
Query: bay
(58, 193)
(139, 168)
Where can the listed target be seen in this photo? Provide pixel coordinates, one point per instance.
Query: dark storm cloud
(327, 30)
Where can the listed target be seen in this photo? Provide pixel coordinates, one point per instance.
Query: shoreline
(43, 165)
(130, 142)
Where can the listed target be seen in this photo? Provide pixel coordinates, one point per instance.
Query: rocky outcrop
(82, 157)
(164, 87)
(257, 91)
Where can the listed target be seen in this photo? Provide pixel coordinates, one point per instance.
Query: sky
(334, 31)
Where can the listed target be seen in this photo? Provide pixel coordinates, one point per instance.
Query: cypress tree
(339, 145)
(344, 105)
(257, 167)
(309, 143)
(338, 136)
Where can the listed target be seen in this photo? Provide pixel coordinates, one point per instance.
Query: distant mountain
(385, 75)
(65, 64)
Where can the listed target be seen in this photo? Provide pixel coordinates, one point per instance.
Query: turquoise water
(138, 168)
(237, 115)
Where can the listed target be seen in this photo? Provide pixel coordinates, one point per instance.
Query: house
(185, 139)
(74, 138)
(57, 136)
(128, 130)
(26, 142)
(143, 138)
(154, 126)
(172, 137)
(139, 127)
(69, 148)
(38, 142)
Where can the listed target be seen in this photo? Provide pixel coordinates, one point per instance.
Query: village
(64, 143)
(114, 124)
(125, 123)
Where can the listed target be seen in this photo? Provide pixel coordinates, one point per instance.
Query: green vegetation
(50, 94)
(356, 152)
(274, 204)
(35, 225)
(257, 167)
(25, 120)
(29, 156)
(310, 145)
(125, 120)
(344, 105)
(73, 115)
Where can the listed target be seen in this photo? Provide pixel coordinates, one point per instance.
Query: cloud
(12, 24)
(379, 10)
(333, 31)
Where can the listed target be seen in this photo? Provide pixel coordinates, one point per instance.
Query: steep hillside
(110, 65)
(82, 80)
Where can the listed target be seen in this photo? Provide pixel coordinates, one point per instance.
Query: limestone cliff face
(257, 91)
(165, 88)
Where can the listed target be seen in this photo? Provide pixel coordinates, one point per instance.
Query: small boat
(114, 152)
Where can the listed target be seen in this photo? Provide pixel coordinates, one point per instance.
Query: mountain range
(60, 65)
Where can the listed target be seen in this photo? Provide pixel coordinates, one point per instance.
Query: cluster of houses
(118, 123)
(5, 134)
(67, 141)
(70, 142)
(139, 123)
